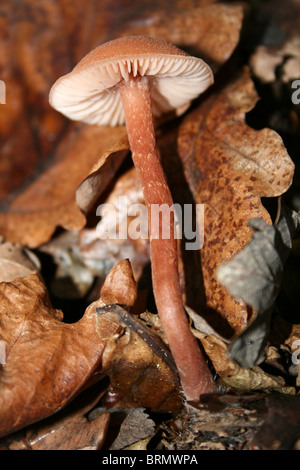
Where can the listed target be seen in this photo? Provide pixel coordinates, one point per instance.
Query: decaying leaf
(45, 160)
(69, 429)
(229, 167)
(232, 374)
(47, 361)
(49, 201)
(139, 365)
(255, 276)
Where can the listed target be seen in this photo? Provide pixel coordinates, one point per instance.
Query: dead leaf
(74, 433)
(47, 361)
(34, 213)
(233, 375)
(255, 378)
(139, 365)
(69, 429)
(229, 167)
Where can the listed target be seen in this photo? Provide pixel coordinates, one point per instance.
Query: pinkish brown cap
(90, 93)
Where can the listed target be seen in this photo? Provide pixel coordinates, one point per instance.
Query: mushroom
(130, 80)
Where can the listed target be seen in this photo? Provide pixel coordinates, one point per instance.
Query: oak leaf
(229, 168)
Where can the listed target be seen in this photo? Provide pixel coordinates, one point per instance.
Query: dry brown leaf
(233, 375)
(69, 429)
(139, 364)
(73, 433)
(16, 261)
(32, 215)
(76, 434)
(46, 361)
(229, 167)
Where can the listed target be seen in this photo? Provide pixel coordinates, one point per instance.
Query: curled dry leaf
(233, 375)
(45, 362)
(229, 167)
(139, 364)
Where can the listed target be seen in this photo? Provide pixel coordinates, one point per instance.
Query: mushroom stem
(195, 376)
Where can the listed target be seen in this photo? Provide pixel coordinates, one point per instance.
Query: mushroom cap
(89, 93)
